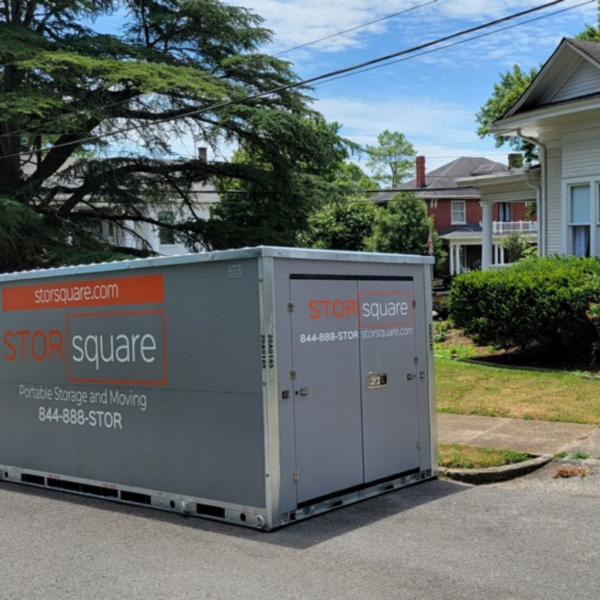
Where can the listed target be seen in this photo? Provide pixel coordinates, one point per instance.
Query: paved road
(438, 540)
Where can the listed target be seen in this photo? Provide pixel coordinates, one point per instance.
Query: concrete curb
(496, 474)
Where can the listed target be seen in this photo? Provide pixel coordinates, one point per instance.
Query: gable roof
(571, 73)
(441, 182)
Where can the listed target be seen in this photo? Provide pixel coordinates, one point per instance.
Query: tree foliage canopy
(70, 95)
(269, 210)
(392, 160)
(591, 33)
(511, 87)
(403, 227)
(341, 225)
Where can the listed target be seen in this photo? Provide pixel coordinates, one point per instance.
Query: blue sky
(432, 99)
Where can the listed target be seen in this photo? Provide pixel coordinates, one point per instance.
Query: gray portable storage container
(258, 386)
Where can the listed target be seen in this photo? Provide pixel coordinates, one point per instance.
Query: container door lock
(410, 376)
(302, 392)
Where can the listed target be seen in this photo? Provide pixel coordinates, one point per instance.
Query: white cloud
(297, 22)
(413, 101)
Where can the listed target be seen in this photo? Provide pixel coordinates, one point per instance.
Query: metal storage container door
(326, 396)
(389, 378)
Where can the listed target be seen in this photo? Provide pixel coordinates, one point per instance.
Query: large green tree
(75, 102)
(506, 92)
(346, 220)
(269, 210)
(403, 227)
(344, 224)
(392, 159)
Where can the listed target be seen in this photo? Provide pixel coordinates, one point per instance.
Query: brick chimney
(420, 163)
(202, 154)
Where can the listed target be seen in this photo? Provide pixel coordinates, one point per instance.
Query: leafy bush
(543, 306)
(516, 246)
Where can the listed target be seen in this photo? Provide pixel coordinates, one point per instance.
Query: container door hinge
(296, 475)
(418, 445)
(293, 375)
(416, 359)
(414, 304)
(290, 307)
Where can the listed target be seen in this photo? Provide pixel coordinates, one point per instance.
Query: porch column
(128, 237)
(457, 263)
(486, 235)
(451, 252)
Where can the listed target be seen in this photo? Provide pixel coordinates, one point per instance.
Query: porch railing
(502, 227)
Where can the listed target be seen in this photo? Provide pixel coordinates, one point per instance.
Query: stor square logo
(385, 309)
(123, 347)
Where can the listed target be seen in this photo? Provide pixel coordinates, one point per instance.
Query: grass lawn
(468, 389)
(457, 456)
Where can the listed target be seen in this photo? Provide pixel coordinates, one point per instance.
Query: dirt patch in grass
(457, 456)
(453, 343)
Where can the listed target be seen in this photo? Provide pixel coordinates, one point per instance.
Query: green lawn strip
(469, 389)
(457, 456)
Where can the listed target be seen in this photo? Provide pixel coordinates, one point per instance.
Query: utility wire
(328, 37)
(459, 42)
(312, 80)
(317, 41)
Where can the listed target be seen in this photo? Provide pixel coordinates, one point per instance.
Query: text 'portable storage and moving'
(257, 386)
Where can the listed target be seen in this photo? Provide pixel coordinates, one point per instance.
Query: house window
(458, 215)
(580, 208)
(504, 212)
(433, 202)
(165, 235)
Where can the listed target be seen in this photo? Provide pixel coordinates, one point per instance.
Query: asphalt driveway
(437, 540)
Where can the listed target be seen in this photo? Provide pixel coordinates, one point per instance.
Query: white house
(162, 240)
(560, 113)
(146, 236)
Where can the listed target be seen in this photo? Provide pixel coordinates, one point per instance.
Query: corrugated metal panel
(581, 153)
(553, 206)
(585, 80)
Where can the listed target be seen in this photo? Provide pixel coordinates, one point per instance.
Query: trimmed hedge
(539, 305)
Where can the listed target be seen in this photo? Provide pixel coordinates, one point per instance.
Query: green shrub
(539, 305)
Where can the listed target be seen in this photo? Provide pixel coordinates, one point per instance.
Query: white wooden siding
(553, 202)
(581, 152)
(584, 80)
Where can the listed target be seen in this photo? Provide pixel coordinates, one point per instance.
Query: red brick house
(457, 211)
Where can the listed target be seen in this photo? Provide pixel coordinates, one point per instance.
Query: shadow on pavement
(300, 535)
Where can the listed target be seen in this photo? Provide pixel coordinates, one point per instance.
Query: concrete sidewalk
(533, 437)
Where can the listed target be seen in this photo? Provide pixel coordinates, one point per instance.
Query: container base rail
(237, 515)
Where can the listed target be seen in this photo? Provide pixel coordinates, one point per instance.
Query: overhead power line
(312, 80)
(312, 43)
(459, 42)
(333, 35)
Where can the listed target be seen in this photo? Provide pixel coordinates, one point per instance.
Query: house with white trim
(457, 210)
(147, 236)
(560, 114)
